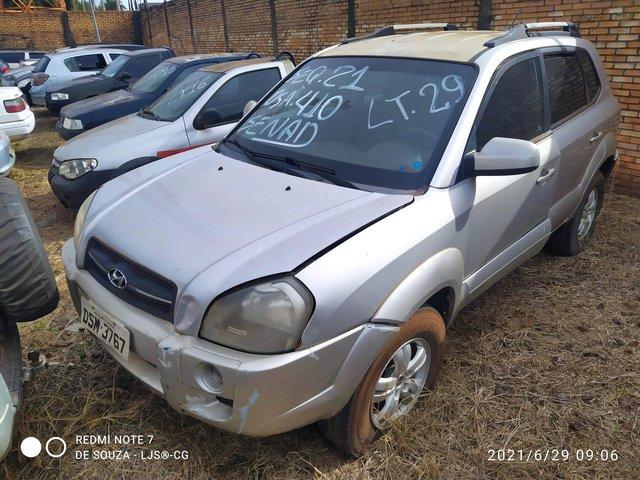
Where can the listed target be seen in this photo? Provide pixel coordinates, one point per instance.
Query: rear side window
(591, 79)
(516, 107)
(36, 54)
(231, 98)
(566, 85)
(85, 63)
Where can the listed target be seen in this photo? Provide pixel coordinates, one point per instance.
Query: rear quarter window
(567, 90)
(591, 79)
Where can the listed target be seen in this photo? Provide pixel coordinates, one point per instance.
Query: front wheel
(408, 362)
(573, 237)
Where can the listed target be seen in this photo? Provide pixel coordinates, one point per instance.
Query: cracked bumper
(260, 394)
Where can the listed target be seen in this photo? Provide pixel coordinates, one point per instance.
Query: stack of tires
(28, 289)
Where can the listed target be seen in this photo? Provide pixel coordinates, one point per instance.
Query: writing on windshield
(316, 94)
(377, 121)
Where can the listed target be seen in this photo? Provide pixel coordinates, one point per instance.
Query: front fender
(442, 270)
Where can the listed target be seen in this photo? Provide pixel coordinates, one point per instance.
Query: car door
(576, 128)
(229, 100)
(505, 217)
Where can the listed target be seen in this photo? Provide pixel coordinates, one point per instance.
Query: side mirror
(124, 77)
(249, 106)
(506, 156)
(207, 118)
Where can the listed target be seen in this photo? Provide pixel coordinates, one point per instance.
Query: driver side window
(516, 106)
(231, 98)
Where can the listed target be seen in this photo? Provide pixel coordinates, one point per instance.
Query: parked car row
(268, 246)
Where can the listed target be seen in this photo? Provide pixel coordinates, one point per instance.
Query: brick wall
(305, 26)
(42, 29)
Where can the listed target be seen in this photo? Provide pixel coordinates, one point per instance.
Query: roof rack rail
(393, 29)
(538, 29)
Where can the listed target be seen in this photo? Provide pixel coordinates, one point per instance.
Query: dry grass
(548, 358)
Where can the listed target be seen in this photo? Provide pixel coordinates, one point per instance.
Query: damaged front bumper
(245, 393)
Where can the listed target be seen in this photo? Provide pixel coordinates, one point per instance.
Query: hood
(91, 85)
(209, 220)
(105, 107)
(103, 140)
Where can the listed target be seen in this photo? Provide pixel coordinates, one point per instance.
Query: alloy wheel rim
(588, 215)
(400, 382)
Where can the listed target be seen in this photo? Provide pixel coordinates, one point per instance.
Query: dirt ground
(549, 358)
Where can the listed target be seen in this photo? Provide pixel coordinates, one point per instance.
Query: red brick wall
(42, 29)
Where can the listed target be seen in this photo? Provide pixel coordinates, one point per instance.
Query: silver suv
(305, 268)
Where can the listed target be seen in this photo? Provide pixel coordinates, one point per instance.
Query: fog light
(210, 379)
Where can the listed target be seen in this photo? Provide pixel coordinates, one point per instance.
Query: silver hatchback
(305, 268)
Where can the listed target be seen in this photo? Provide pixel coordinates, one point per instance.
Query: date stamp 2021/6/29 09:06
(552, 455)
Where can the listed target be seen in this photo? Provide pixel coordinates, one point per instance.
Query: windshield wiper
(326, 173)
(153, 115)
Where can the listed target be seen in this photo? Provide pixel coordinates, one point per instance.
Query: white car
(55, 68)
(16, 118)
(199, 110)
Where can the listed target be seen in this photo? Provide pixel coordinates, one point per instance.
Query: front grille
(144, 289)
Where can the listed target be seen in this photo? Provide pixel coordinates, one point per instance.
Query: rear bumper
(37, 98)
(260, 394)
(19, 128)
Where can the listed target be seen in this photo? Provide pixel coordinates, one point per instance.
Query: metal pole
(95, 23)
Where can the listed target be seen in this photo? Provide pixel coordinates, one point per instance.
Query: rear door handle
(595, 136)
(546, 175)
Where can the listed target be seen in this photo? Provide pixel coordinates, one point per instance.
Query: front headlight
(59, 96)
(80, 217)
(72, 169)
(72, 124)
(266, 317)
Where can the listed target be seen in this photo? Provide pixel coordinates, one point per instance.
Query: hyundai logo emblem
(117, 278)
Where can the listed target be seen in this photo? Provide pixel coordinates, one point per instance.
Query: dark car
(92, 112)
(119, 74)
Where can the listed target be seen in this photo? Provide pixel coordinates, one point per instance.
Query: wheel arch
(437, 283)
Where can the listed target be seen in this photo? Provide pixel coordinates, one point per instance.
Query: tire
(28, 288)
(11, 359)
(567, 239)
(353, 429)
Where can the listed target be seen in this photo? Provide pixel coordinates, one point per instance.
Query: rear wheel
(573, 237)
(408, 362)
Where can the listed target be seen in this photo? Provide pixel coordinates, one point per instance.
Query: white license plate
(108, 330)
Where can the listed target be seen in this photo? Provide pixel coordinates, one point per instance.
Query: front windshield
(114, 67)
(375, 122)
(154, 78)
(179, 98)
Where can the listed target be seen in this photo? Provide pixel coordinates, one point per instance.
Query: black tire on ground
(28, 288)
(352, 430)
(565, 240)
(11, 359)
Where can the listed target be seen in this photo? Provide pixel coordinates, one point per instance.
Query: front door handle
(595, 136)
(546, 175)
